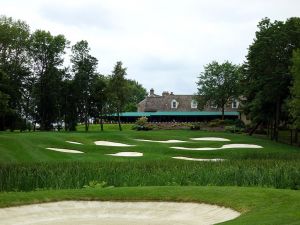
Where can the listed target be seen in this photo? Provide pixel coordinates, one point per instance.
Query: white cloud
(163, 43)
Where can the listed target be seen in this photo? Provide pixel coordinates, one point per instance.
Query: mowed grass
(256, 205)
(26, 164)
(31, 147)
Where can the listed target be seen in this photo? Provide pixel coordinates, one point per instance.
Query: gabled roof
(163, 103)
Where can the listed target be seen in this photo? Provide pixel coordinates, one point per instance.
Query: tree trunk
(65, 122)
(276, 124)
(254, 128)
(223, 112)
(272, 129)
(2, 123)
(291, 137)
(296, 136)
(101, 119)
(86, 123)
(119, 120)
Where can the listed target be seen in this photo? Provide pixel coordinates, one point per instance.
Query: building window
(234, 104)
(213, 105)
(194, 104)
(174, 104)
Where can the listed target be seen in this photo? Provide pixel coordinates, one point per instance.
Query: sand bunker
(113, 144)
(127, 154)
(166, 142)
(64, 150)
(197, 159)
(223, 147)
(209, 139)
(74, 142)
(116, 213)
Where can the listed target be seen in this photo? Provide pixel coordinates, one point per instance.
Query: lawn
(31, 147)
(245, 180)
(257, 205)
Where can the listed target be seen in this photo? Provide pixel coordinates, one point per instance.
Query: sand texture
(165, 142)
(113, 144)
(197, 159)
(116, 213)
(127, 154)
(209, 139)
(65, 150)
(223, 147)
(74, 142)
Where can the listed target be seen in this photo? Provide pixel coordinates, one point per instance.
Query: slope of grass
(26, 164)
(257, 205)
(31, 147)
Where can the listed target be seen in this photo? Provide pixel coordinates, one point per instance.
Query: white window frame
(236, 102)
(172, 102)
(194, 104)
(213, 106)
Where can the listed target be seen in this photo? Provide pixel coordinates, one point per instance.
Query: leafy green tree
(14, 61)
(4, 99)
(100, 97)
(295, 90)
(218, 84)
(136, 93)
(118, 88)
(68, 104)
(267, 73)
(47, 53)
(84, 67)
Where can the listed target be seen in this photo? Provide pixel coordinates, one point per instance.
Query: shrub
(239, 123)
(142, 124)
(195, 126)
(142, 121)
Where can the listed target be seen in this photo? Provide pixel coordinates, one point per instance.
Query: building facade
(169, 102)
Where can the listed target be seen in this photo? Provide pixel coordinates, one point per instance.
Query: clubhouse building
(169, 107)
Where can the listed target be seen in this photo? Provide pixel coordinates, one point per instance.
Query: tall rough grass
(62, 175)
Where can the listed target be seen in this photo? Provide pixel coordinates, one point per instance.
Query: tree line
(267, 83)
(36, 87)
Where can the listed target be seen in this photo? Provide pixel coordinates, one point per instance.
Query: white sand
(127, 154)
(223, 147)
(113, 144)
(197, 159)
(241, 146)
(64, 150)
(166, 142)
(209, 139)
(74, 142)
(116, 213)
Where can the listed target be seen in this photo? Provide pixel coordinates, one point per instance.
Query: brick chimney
(165, 93)
(151, 92)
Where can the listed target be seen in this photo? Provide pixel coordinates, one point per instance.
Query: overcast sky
(163, 43)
